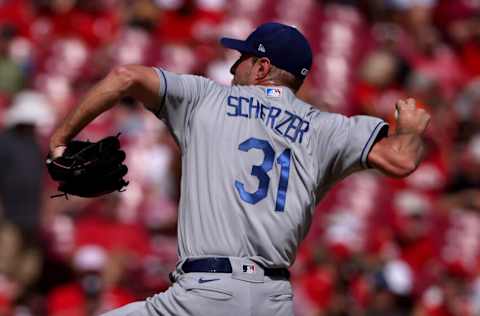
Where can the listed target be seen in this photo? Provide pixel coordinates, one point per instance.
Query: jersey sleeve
(178, 98)
(345, 142)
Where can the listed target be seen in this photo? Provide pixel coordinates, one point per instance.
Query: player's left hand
(57, 151)
(88, 169)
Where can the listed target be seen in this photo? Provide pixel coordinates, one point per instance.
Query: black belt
(222, 265)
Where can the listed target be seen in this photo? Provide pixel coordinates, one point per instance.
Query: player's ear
(263, 68)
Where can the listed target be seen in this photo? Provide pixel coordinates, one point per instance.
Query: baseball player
(255, 162)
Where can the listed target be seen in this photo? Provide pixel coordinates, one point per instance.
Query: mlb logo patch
(273, 92)
(248, 268)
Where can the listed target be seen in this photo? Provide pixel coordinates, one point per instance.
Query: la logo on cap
(261, 48)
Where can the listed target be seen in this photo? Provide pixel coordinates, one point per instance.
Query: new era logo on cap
(261, 48)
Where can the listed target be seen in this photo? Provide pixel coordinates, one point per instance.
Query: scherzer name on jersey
(280, 121)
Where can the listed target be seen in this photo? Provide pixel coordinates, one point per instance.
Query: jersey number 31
(261, 172)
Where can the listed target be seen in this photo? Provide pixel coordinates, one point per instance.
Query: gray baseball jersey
(255, 161)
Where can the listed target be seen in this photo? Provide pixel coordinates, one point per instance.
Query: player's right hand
(410, 119)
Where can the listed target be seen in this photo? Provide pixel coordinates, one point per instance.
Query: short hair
(286, 78)
(283, 77)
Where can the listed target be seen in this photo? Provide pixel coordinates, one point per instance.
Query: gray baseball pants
(238, 293)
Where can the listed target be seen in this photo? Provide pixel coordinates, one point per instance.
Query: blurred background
(377, 246)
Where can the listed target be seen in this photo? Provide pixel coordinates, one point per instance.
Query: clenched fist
(410, 119)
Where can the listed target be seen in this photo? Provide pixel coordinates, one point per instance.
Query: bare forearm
(137, 81)
(99, 99)
(409, 146)
(398, 155)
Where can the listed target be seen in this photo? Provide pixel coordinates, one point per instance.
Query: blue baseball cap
(284, 45)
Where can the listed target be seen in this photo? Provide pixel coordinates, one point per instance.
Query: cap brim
(235, 44)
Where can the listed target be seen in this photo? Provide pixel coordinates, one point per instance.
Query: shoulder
(188, 86)
(324, 119)
(188, 78)
(320, 118)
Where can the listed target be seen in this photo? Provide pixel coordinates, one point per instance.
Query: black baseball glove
(89, 169)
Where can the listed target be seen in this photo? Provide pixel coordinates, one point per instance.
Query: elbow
(401, 167)
(395, 166)
(124, 77)
(405, 168)
(394, 159)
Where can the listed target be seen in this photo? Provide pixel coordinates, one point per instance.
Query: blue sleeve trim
(164, 96)
(165, 90)
(368, 145)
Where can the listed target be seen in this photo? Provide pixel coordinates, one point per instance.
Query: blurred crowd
(377, 246)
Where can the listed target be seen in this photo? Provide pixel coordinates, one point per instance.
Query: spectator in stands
(11, 76)
(21, 179)
(21, 162)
